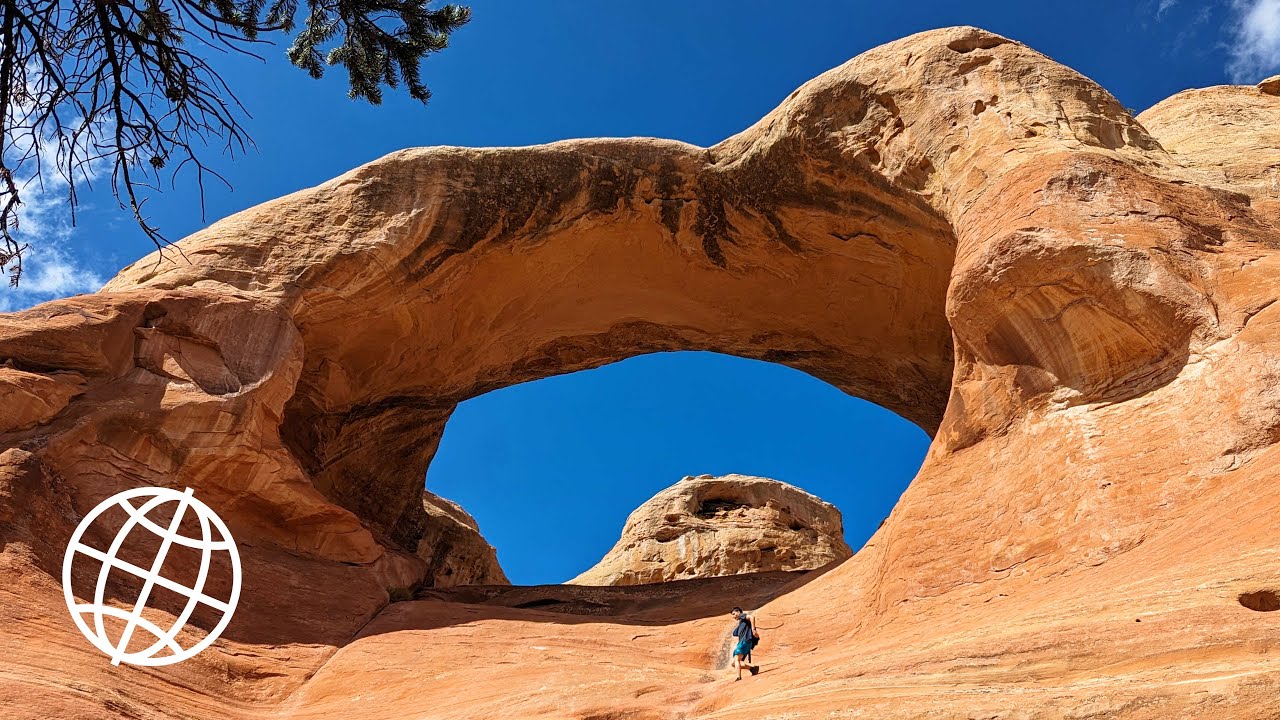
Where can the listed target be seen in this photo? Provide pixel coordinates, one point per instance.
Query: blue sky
(551, 469)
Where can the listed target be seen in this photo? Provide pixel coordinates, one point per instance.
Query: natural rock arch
(497, 267)
(823, 237)
(952, 226)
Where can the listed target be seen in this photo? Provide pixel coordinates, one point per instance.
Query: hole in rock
(712, 508)
(551, 469)
(1261, 600)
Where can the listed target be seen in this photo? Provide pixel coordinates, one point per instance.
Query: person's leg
(737, 665)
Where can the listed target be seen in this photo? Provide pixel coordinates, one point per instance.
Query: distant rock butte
(713, 526)
(1079, 306)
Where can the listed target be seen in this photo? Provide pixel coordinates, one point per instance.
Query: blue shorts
(743, 648)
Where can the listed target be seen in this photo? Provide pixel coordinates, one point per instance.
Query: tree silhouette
(86, 84)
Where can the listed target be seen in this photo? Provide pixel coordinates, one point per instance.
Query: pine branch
(88, 82)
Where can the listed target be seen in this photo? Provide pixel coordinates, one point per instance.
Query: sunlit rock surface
(1079, 305)
(712, 526)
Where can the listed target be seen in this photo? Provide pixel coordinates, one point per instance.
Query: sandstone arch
(822, 237)
(952, 226)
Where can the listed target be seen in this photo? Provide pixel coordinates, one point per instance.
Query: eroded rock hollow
(1079, 305)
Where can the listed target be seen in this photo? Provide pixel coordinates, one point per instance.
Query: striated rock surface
(713, 526)
(1080, 307)
(1225, 135)
(455, 551)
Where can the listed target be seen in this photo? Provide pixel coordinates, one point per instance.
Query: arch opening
(864, 315)
(551, 469)
(623, 248)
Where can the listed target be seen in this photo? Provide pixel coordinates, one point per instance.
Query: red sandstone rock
(712, 526)
(1080, 305)
(455, 551)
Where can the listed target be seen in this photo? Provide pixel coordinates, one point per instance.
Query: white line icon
(207, 544)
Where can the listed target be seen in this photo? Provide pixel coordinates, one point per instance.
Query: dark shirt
(743, 630)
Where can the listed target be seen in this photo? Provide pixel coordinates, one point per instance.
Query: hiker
(747, 636)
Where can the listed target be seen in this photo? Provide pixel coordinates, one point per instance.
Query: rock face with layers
(456, 552)
(1082, 313)
(713, 526)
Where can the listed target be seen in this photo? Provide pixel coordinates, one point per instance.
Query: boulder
(712, 526)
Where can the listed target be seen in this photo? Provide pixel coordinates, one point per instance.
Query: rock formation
(456, 552)
(713, 526)
(1078, 304)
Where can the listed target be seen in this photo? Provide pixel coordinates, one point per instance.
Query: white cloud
(50, 268)
(1164, 7)
(49, 272)
(1254, 50)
